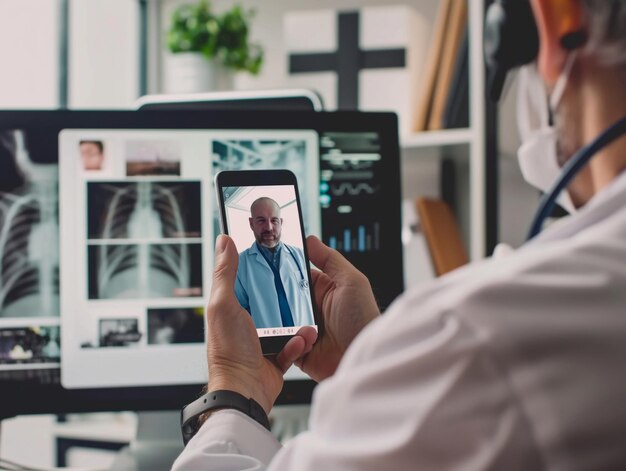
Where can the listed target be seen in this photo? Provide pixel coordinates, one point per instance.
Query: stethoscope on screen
(570, 170)
(304, 283)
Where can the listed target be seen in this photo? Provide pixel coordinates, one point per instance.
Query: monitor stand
(157, 444)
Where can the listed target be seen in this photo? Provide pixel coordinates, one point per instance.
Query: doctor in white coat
(511, 363)
(271, 283)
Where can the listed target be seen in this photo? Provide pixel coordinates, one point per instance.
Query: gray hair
(607, 31)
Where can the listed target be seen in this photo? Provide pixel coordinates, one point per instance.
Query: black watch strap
(222, 399)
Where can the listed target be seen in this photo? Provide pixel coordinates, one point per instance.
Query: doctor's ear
(562, 27)
(250, 222)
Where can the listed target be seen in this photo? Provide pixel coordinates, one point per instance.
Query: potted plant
(208, 48)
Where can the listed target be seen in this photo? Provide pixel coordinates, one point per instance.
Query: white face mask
(537, 155)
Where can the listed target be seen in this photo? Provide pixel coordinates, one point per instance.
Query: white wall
(29, 31)
(103, 53)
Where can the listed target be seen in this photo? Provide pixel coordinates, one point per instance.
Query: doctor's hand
(346, 303)
(235, 360)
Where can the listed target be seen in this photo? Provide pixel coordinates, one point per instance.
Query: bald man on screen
(272, 283)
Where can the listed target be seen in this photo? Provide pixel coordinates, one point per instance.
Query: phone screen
(273, 280)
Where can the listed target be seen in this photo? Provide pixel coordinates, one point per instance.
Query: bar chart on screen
(362, 238)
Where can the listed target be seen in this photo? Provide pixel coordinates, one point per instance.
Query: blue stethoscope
(304, 283)
(570, 170)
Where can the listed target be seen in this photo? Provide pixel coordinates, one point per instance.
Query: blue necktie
(283, 304)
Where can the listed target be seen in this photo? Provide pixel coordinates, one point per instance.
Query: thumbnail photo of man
(91, 155)
(272, 283)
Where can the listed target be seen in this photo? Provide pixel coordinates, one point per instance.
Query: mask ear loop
(561, 83)
(522, 108)
(531, 94)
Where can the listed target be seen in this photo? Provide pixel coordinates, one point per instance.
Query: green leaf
(195, 28)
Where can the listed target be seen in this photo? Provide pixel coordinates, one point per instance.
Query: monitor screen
(107, 228)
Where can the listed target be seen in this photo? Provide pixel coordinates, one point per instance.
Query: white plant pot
(191, 72)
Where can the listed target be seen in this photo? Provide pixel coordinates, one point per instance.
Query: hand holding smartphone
(261, 211)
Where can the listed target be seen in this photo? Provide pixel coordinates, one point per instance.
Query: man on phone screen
(271, 279)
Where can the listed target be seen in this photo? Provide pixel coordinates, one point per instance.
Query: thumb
(225, 271)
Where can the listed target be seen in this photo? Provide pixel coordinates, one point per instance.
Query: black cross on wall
(347, 61)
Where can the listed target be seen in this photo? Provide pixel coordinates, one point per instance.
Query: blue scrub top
(256, 291)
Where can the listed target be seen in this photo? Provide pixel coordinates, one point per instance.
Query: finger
(225, 271)
(318, 276)
(292, 350)
(321, 284)
(298, 346)
(309, 334)
(326, 259)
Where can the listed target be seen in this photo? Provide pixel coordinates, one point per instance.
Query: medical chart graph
(349, 188)
(352, 189)
(363, 238)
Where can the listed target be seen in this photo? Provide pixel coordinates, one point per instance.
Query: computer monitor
(296, 99)
(107, 228)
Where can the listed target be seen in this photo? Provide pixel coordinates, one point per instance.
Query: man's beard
(269, 242)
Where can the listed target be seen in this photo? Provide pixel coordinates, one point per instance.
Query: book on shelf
(456, 113)
(432, 65)
(455, 29)
(441, 65)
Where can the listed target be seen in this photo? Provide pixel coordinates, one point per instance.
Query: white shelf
(437, 138)
(473, 137)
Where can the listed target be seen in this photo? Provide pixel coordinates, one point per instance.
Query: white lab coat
(256, 292)
(507, 364)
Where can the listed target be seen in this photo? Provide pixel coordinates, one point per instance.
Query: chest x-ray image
(144, 239)
(29, 246)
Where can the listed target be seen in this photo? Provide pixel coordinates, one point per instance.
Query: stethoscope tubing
(295, 259)
(570, 170)
(303, 281)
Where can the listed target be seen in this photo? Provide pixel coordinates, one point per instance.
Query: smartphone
(261, 211)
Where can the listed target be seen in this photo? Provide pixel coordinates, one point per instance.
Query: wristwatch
(214, 400)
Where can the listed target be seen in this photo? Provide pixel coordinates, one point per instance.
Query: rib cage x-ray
(29, 253)
(130, 228)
